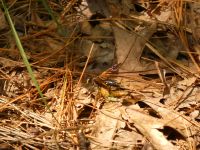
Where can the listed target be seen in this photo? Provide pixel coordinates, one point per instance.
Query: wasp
(106, 83)
(113, 83)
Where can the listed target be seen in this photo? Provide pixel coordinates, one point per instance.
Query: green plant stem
(24, 57)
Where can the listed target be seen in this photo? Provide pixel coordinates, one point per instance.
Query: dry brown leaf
(180, 92)
(164, 15)
(98, 6)
(129, 47)
(107, 122)
(149, 126)
(178, 121)
(195, 20)
(10, 63)
(127, 140)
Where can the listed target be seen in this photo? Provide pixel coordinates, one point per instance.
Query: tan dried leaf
(130, 47)
(149, 126)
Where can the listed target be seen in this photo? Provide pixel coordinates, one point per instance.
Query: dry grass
(102, 110)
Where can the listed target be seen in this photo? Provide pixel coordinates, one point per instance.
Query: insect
(103, 79)
(106, 83)
(110, 82)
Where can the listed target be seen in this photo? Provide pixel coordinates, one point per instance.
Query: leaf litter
(149, 100)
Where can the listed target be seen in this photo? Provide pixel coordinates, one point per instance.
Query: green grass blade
(24, 57)
(21, 49)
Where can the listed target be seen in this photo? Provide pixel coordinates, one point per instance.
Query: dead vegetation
(115, 75)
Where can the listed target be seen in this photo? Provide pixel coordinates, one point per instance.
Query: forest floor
(113, 75)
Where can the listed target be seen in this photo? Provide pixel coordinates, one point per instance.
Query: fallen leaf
(129, 47)
(108, 121)
(149, 126)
